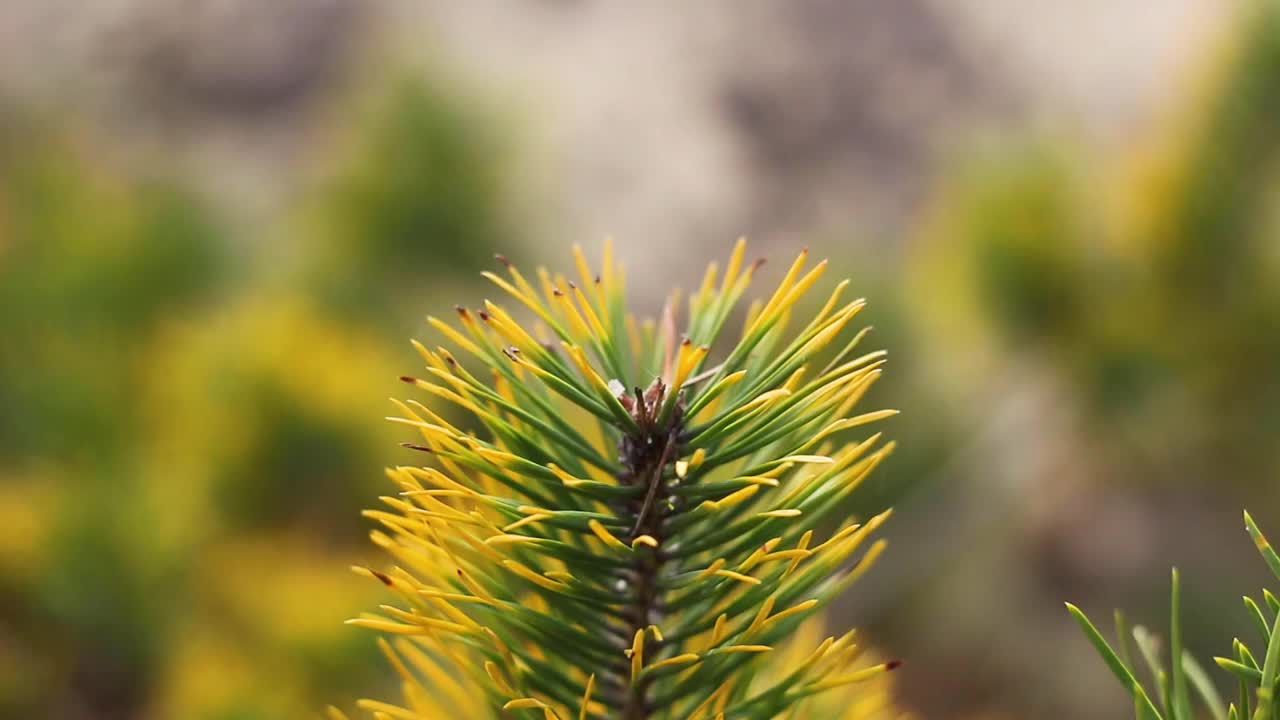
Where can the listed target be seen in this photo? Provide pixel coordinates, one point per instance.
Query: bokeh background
(220, 221)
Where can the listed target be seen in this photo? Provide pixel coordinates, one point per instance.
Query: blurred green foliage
(88, 267)
(421, 197)
(185, 442)
(1154, 292)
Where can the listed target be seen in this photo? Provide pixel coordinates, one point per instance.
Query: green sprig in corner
(1170, 698)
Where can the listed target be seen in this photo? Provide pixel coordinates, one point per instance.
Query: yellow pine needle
(455, 379)
(531, 519)
(832, 299)
(503, 650)
(803, 547)
(793, 610)
(682, 659)
(851, 678)
(413, 618)
(454, 336)
(593, 319)
(550, 289)
(394, 711)
(794, 380)
(579, 329)
(725, 383)
(732, 575)
(762, 614)
(688, 360)
(391, 582)
(860, 531)
(698, 457)
(863, 468)
(810, 459)
(862, 364)
(855, 391)
(717, 632)
(584, 268)
(525, 287)
(734, 265)
(731, 499)
(533, 577)
(777, 471)
(753, 316)
(698, 301)
(600, 531)
(765, 398)
(438, 493)
(495, 674)
(636, 653)
(586, 697)
(846, 458)
(828, 332)
(509, 539)
(507, 327)
(501, 458)
(455, 597)
(422, 350)
(579, 358)
(727, 649)
(434, 675)
(645, 540)
(804, 284)
(526, 703)
(529, 300)
(852, 422)
(416, 628)
(400, 523)
(566, 478)
(795, 554)
(430, 431)
(711, 569)
(752, 559)
(814, 657)
(868, 560)
(771, 308)
(436, 477)
(712, 699)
